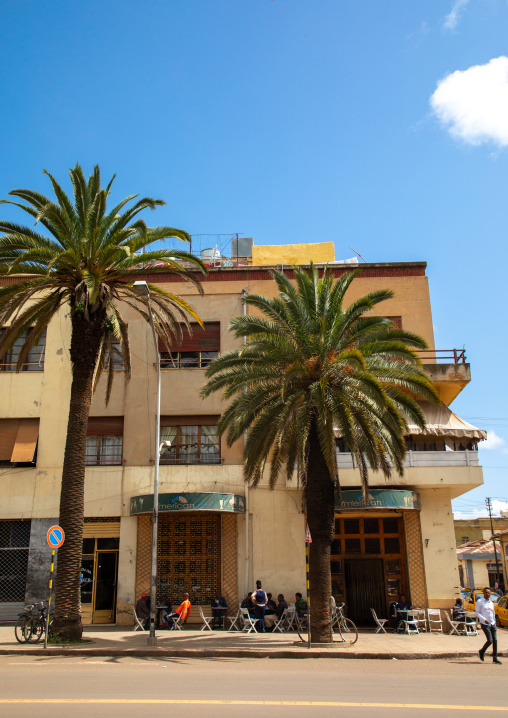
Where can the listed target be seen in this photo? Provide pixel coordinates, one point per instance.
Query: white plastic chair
(380, 622)
(206, 621)
(435, 621)
(236, 620)
(411, 622)
(455, 625)
(283, 618)
(249, 623)
(137, 622)
(471, 625)
(291, 616)
(422, 619)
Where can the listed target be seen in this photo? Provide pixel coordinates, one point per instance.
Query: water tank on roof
(210, 254)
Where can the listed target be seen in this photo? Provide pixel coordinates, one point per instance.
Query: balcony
(448, 370)
(345, 460)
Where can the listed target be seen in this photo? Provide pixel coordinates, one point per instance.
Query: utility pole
(489, 508)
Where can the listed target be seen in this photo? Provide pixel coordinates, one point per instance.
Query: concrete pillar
(126, 583)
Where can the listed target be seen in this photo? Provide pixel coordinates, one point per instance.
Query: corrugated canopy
(441, 421)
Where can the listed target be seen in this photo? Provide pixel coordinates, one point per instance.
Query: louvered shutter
(205, 340)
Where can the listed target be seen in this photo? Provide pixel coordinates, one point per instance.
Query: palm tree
(312, 370)
(87, 260)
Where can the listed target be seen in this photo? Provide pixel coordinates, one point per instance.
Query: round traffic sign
(56, 536)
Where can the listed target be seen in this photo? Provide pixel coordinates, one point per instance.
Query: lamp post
(141, 289)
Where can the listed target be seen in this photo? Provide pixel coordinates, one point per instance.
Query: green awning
(379, 499)
(229, 503)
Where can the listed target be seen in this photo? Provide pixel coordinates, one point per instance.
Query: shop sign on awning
(230, 503)
(379, 499)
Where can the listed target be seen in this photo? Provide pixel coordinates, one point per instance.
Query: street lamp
(141, 289)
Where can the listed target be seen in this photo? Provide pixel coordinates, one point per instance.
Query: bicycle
(31, 624)
(340, 625)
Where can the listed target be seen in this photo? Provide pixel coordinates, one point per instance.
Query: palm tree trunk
(85, 344)
(320, 503)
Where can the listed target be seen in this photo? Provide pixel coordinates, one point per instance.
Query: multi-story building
(215, 533)
(467, 530)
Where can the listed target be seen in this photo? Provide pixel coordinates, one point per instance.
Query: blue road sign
(56, 536)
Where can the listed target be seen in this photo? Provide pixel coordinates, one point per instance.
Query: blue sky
(380, 125)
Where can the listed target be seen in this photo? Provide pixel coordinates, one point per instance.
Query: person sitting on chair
(218, 603)
(401, 608)
(458, 611)
(270, 605)
(300, 605)
(169, 616)
(184, 608)
(249, 604)
(143, 610)
(281, 606)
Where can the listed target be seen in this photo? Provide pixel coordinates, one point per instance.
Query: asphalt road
(124, 687)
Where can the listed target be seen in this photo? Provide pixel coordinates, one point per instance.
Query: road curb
(229, 653)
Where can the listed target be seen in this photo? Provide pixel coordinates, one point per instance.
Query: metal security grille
(14, 543)
(189, 558)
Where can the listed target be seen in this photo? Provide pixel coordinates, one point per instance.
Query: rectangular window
(18, 442)
(14, 543)
(194, 352)
(104, 441)
(118, 364)
(194, 440)
(34, 360)
(465, 539)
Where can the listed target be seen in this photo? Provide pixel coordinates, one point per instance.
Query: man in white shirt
(485, 612)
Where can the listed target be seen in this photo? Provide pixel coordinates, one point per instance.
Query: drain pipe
(247, 516)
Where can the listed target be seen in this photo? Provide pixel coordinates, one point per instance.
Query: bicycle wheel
(301, 627)
(23, 629)
(336, 625)
(348, 630)
(38, 627)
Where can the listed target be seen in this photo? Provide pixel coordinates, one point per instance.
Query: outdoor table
(160, 607)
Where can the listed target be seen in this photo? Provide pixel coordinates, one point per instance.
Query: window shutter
(105, 426)
(26, 441)
(8, 432)
(205, 340)
(192, 420)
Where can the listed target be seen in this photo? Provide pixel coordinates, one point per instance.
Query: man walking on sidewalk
(485, 612)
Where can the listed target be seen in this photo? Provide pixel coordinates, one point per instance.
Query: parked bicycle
(31, 623)
(342, 626)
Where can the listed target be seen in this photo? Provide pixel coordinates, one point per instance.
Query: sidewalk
(113, 641)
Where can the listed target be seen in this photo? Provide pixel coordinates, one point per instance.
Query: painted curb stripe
(168, 701)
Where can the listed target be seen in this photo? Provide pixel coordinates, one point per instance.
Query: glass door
(105, 587)
(99, 569)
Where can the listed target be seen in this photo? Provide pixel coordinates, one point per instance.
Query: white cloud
(473, 103)
(453, 17)
(497, 506)
(493, 441)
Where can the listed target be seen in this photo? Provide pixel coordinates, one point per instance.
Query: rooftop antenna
(354, 250)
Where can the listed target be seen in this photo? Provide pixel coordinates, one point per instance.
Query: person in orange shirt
(184, 608)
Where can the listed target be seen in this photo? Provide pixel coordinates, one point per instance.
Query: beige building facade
(215, 533)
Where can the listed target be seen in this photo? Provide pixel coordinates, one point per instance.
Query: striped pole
(49, 598)
(308, 593)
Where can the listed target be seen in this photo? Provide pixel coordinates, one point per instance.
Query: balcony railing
(345, 460)
(442, 356)
(190, 460)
